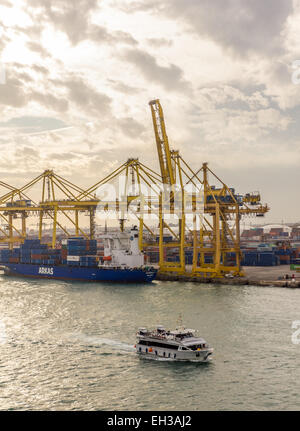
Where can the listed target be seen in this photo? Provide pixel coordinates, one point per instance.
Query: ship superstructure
(180, 344)
(77, 259)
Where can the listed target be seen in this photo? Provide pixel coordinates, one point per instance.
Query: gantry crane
(217, 233)
(7, 233)
(58, 198)
(169, 162)
(162, 143)
(214, 211)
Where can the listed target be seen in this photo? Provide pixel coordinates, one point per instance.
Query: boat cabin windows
(160, 330)
(182, 335)
(157, 344)
(197, 346)
(142, 331)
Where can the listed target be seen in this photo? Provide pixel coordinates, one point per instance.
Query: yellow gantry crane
(202, 218)
(162, 143)
(57, 203)
(169, 162)
(216, 212)
(127, 196)
(8, 229)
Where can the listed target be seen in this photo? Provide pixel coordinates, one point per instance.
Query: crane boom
(162, 142)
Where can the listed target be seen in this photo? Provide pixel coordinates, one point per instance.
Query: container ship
(77, 259)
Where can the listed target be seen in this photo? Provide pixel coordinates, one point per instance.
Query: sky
(76, 79)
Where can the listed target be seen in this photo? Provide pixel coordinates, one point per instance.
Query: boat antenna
(179, 320)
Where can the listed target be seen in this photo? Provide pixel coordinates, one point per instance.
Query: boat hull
(74, 273)
(165, 354)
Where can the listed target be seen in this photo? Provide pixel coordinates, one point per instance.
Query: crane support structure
(162, 143)
(215, 232)
(197, 215)
(57, 203)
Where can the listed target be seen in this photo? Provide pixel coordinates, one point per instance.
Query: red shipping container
(64, 253)
(36, 256)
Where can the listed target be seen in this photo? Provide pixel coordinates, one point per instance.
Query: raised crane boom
(163, 149)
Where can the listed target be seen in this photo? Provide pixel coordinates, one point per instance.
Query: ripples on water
(70, 346)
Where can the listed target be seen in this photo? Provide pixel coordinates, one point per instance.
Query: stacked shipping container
(81, 252)
(74, 251)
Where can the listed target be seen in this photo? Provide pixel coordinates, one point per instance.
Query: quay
(275, 276)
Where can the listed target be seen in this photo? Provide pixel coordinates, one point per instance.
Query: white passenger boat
(179, 345)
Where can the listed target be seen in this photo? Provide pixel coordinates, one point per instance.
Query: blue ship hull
(65, 272)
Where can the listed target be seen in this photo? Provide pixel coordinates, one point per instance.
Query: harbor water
(69, 346)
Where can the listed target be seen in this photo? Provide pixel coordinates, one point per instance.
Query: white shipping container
(73, 258)
(64, 242)
(264, 249)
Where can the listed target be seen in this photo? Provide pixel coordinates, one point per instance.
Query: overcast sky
(79, 76)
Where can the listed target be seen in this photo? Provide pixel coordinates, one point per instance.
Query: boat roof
(193, 340)
(182, 331)
(188, 341)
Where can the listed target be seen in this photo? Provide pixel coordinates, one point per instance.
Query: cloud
(6, 3)
(37, 47)
(74, 19)
(124, 88)
(86, 97)
(50, 101)
(27, 153)
(100, 34)
(221, 69)
(69, 17)
(159, 41)
(240, 26)
(31, 124)
(33, 31)
(141, 6)
(232, 97)
(64, 156)
(12, 92)
(273, 190)
(237, 129)
(131, 127)
(23, 88)
(39, 69)
(4, 39)
(170, 77)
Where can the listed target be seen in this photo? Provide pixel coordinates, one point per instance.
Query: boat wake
(98, 341)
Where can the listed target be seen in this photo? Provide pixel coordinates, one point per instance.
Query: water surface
(69, 346)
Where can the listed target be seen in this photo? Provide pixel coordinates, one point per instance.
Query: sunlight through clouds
(76, 78)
